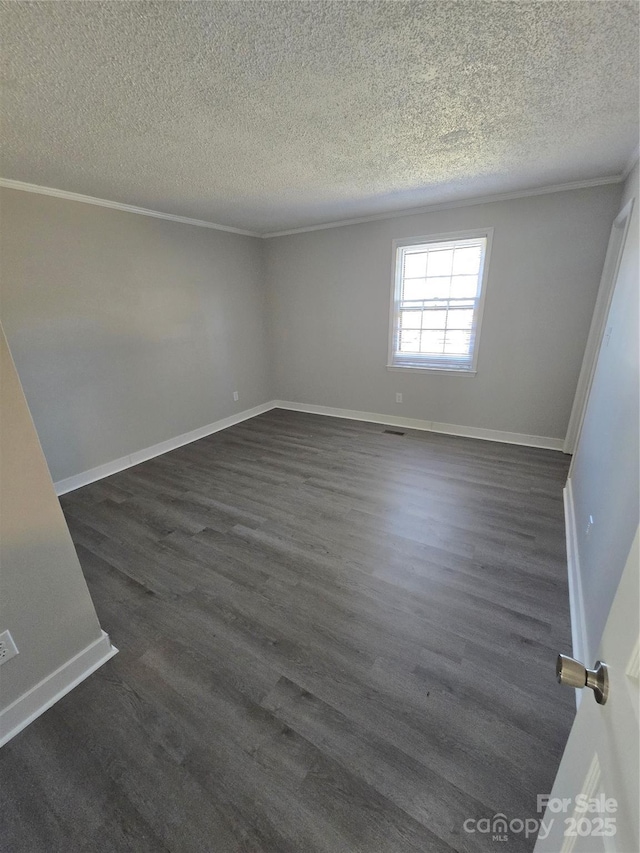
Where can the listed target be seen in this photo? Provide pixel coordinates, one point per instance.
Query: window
(437, 302)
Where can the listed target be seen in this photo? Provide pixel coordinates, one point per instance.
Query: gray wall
(127, 330)
(330, 294)
(606, 465)
(44, 600)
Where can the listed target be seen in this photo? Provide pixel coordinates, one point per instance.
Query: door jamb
(598, 323)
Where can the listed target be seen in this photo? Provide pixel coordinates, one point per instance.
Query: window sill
(416, 369)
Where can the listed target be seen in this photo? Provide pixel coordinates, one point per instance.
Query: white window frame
(396, 289)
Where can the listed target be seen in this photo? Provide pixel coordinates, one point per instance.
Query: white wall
(330, 292)
(605, 469)
(44, 600)
(127, 330)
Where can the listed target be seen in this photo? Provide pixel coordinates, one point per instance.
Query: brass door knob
(574, 674)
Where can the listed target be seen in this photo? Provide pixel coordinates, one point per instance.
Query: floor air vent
(393, 432)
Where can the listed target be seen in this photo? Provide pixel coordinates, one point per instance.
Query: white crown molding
(117, 205)
(450, 205)
(339, 223)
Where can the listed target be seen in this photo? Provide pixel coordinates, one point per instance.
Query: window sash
(463, 360)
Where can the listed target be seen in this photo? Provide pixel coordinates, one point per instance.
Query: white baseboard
(93, 474)
(576, 600)
(46, 693)
(429, 426)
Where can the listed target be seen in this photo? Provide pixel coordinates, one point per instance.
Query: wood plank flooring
(331, 639)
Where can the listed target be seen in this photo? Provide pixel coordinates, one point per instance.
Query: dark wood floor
(331, 639)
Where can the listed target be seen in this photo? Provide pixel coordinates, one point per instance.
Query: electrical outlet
(236, 396)
(398, 398)
(8, 648)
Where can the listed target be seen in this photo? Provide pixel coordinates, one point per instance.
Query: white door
(594, 802)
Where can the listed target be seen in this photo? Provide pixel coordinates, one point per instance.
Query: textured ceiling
(275, 115)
